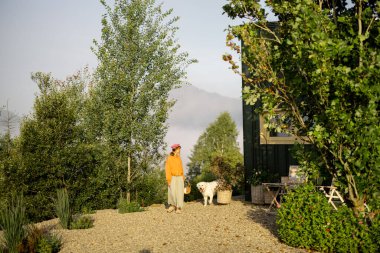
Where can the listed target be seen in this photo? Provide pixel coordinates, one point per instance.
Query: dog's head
(201, 186)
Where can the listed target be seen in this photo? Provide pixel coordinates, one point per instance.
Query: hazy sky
(56, 36)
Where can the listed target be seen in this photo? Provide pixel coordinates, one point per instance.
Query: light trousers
(175, 191)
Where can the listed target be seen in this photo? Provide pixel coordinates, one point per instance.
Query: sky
(56, 37)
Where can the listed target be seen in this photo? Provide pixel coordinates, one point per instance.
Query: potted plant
(257, 192)
(229, 174)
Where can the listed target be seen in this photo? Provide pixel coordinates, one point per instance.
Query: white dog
(208, 190)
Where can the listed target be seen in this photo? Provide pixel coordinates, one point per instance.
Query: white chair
(332, 194)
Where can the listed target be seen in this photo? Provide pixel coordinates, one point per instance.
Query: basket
(257, 194)
(187, 188)
(224, 197)
(268, 197)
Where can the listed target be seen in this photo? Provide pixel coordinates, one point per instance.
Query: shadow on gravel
(260, 215)
(145, 251)
(266, 219)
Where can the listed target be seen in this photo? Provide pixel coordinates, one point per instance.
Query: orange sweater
(173, 167)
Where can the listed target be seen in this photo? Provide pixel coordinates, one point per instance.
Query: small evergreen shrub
(307, 220)
(62, 208)
(49, 244)
(81, 222)
(12, 221)
(125, 207)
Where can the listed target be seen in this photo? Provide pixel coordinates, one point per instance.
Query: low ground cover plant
(80, 221)
(124, 207)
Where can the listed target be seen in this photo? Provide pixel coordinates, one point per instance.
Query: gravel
(237, 227)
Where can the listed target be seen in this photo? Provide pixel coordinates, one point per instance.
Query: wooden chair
(332, 194)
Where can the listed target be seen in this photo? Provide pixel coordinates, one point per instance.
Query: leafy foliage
(307, 220)
(128, 207)
(100, 137)
(50, 152)
(80, 221)
(139, 63)
(40, 239)
(64, 213)
(151, 188)
(218, 140)
(259, 176)
(319, 65)
(49, 244)
(229, 174)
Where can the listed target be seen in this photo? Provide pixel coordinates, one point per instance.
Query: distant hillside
(194, 110)
(198, 108)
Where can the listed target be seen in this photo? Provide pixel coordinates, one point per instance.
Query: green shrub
(125, 207)
(12, 221)
(152, 188)
(40, 239)
(81, 222)
(307, 220)
(87, 210)
(62, 208)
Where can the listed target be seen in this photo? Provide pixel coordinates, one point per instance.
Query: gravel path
(236, 227)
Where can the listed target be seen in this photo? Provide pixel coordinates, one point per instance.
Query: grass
(62, 208)
(12, 221)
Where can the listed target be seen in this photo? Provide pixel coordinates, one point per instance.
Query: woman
(175, 179)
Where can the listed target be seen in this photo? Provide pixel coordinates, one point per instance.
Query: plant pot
(268, 196)
(224, 197)
(257, 194)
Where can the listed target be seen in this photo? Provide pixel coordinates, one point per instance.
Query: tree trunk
(129, 180)
(359, 207)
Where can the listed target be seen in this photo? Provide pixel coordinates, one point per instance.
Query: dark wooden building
(264, 150)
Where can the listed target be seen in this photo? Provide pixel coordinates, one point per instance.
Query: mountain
(193, 112)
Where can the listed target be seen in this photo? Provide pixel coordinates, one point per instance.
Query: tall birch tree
(139, 63)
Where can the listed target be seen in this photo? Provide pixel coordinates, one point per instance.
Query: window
(272, 137)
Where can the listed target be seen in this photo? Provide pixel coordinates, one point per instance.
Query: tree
(50, 151)
(319, 67)
(139, 63)
(8, 120)
(218, 141)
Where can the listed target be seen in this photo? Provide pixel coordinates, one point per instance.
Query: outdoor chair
(332, 194)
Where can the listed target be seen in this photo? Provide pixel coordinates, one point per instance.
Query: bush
(40, 240)
(228, 172)
(62, 208)
(307, 220)
(12, 221)
(125, 207)
(81, 222)
(151, 188)
(50, 243)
